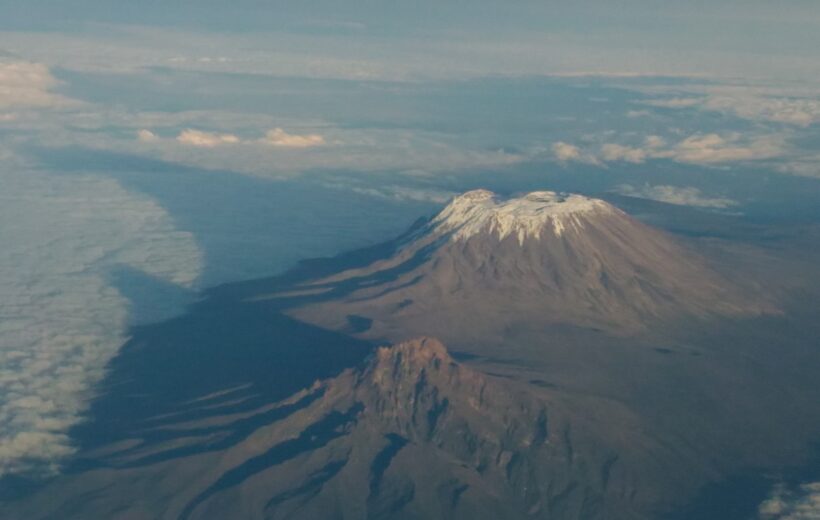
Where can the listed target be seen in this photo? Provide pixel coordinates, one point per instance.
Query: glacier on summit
(526, 217)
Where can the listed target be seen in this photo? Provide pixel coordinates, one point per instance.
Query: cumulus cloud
(679, 195)
(806, 166)
(62, 319)
(714, 148)
(565, 152)
(793, 111)
(403, 193)
(371, 150)
(679, 102)
(638, 113)
(202, 139)
(616, 152)
(703, 149)
(147, 136)
(792, 503)
(24, 84)
(749, 103)
(278, 137)
(654, 141)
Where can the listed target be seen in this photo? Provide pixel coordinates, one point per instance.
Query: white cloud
(754, 104)
(62, 320)
(278, 137)
(147, 136)
(703, 149)
(654, 141)
(714, 148)
(24, 84)
(808, 166)
(784, 503)
(202, 139)
(638, 113)
(793, 111)
(617, 152)
(675, 102)
(565, 152)
(367, 150)
(403, 193)
(679, 195)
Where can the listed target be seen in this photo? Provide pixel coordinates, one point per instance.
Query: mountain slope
(485, 264)
(411, 434)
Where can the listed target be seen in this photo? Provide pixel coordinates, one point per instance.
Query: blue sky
(195, 143)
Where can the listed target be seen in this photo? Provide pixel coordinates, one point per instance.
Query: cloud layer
(679, 195)
(62, 320)
(785, 503)
(565, 152)
(774, 105)
(278, 137)
(699, 148)
(24, 84)
(203, 139)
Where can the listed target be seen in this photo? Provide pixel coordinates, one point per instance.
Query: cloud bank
(278, 137)
(202, 139)
(785, 503)
(750, 104)
(147, 136)
(62, 320)
(25, 85)
(715, 148)
(679, 195)
(565, 152)
(699, 149)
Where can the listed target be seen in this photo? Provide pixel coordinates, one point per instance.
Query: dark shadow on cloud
(249, 227)
(151, 299)
(232, 352)
(223, 357)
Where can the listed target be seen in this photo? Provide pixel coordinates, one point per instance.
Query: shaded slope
(410, 434)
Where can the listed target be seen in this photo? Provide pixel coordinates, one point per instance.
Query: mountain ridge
(409, 434)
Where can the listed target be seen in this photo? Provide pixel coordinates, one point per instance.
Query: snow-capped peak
(480, 211)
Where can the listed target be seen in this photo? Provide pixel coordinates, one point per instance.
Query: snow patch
(482, 211)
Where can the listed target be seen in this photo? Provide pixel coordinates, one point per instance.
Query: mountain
(598, 368)
(409, 434)
(486, 264)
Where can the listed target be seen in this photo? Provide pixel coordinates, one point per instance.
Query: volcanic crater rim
(528, 216)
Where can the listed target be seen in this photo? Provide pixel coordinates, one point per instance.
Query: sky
(149, 150)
